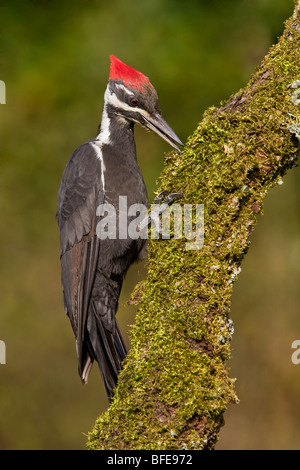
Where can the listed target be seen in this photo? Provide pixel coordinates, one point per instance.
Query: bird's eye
(133, 102)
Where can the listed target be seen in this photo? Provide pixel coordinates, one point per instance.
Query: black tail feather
(108, 348)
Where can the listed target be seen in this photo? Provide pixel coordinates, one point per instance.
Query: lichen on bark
(175, 385)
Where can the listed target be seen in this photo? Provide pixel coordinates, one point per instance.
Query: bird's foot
(162, 201)
(167, 199)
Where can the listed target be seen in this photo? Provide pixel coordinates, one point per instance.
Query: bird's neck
(116, 131)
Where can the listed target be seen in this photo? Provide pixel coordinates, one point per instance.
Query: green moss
(175, 386)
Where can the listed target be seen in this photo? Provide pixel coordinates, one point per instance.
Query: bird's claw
(160, 196)
(169, 197)
(162, 202)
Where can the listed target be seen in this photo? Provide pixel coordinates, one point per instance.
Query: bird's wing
(79, 189)
(79, 194)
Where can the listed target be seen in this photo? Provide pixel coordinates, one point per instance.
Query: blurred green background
(54, 61)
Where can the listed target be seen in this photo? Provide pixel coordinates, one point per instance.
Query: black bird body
(99, 172)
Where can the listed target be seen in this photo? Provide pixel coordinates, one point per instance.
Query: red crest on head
(131, 77)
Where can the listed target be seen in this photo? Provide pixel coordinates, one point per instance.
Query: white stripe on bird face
(123, 87)
(111, 98)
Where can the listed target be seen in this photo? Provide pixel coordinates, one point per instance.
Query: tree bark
(175, 385)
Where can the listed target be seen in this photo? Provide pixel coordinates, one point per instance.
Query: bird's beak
(158, 125)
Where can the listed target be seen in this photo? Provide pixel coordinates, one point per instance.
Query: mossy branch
(175, 385)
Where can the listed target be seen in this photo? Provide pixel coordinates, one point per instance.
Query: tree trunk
(175, 386)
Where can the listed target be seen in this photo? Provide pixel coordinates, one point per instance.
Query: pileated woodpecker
(98, 172)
